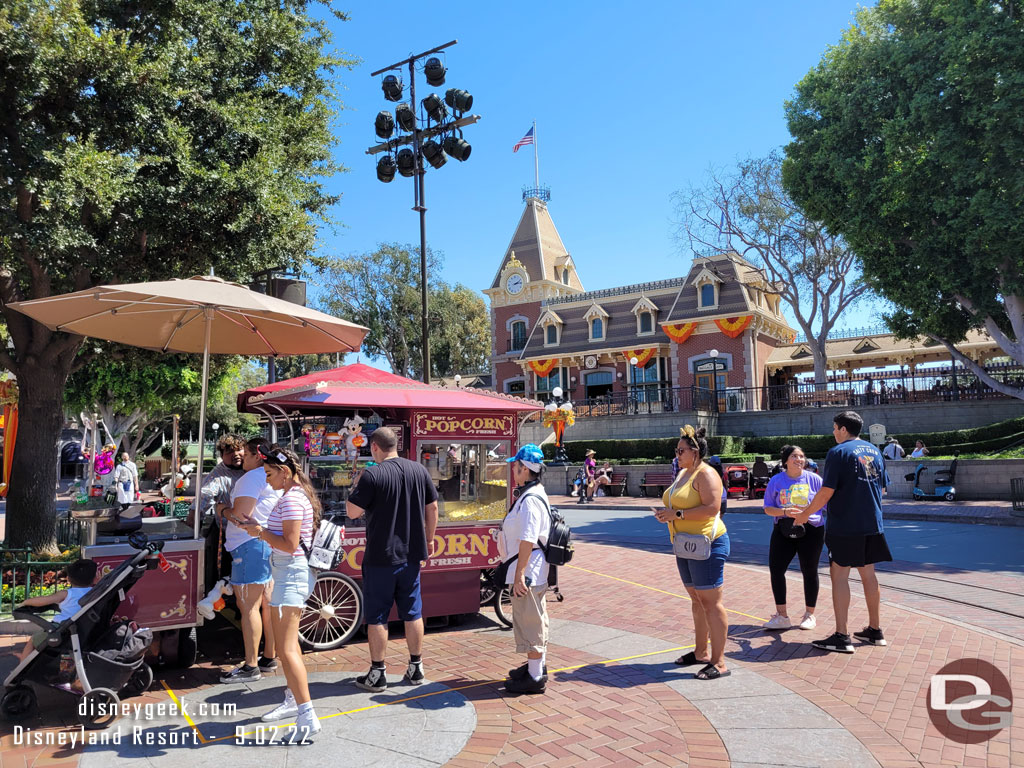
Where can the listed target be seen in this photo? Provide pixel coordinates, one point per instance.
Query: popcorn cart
(461, 436)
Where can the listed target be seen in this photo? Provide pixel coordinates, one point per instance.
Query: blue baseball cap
(531, 456)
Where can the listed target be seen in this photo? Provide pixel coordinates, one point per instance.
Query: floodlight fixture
(458, 148)
(434, 107)
(406, 117)
(406, 162)
(392, 87)
(434, 154)
(386, 169)
(458, 99)
(434, 71)
(384, 124)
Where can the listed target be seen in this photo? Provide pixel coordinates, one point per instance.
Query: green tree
(460, 331)
(809, 268)
(235, 377)
(381, 291)
(908, 140)
(300, 365)
(146, 141)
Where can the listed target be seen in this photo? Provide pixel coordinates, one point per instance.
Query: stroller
(103, 658)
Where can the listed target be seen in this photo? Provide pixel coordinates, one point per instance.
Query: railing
(850, 333)
(891, 388)
(604, 293)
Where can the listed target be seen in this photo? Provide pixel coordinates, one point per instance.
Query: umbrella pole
(207, 314)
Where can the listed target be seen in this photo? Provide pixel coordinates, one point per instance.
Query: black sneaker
(870, 635)
(523, 671)
(267, 665)
(376, 680)
(241, 675)
(526, 684)
(414, 673)
(835, 642)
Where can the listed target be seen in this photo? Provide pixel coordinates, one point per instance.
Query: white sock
(306, 707)
(289, 697)
(536, 667)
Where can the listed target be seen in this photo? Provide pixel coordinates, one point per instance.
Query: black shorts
(857, 551)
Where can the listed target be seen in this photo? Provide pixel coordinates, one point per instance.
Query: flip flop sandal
(711, 672)
(688, 660)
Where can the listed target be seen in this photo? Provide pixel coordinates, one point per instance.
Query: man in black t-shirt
(400, 503)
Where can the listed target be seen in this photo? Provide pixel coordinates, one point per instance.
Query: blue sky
(632, 103)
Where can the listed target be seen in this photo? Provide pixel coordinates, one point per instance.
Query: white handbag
(692, 546)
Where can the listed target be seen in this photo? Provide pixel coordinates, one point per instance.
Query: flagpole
(536, 161)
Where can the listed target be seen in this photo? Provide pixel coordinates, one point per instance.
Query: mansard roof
(733, 299)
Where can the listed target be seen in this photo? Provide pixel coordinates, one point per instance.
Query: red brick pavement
(618, 714)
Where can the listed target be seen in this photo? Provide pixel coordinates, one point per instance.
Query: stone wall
(908, 417)
(976, 479)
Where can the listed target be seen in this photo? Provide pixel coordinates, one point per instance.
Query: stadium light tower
(435, 136)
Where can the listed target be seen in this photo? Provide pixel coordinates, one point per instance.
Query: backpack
(326, 550)
(559, 550)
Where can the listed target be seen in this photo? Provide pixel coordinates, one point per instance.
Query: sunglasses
(681, 451)
(274, 457)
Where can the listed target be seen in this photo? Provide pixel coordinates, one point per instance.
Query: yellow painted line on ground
(405, 699)
(192, 725)
(655, 589)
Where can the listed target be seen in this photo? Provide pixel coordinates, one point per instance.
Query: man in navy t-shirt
(852, 487)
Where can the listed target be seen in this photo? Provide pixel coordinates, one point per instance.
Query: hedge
(988, 439)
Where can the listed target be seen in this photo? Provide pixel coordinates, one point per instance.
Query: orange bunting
(734, 326)
(679, 332)
(543, 367)
(641, 355)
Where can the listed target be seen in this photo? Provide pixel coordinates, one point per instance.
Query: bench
(824, 397)
(617, 487)
(659, 480)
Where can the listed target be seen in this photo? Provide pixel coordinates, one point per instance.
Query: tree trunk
(31, 500)
(820, 365)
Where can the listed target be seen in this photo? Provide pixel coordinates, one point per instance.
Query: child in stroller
(84, 654)
(81, 574)
(578, 484)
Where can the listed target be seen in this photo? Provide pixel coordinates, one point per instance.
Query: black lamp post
(434, 137)
(713, 354)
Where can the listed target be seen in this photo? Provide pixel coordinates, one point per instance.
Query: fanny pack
(694, 546)
(789, 529)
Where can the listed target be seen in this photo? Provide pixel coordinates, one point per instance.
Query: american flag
(527, 139)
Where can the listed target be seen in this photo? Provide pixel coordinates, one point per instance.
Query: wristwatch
(679, 513)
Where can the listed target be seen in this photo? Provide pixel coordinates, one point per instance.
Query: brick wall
(699, 344)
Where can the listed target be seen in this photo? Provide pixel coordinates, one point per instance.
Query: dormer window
(597, 321)
(707, 295)
(552, 325)
(646, 312)
(565, 275)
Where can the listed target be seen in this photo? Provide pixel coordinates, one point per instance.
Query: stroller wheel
(140, 680)
(18, 702)
(98, 709)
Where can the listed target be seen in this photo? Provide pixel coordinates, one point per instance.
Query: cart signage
(456, 548)
(162, 598)
(464, 425)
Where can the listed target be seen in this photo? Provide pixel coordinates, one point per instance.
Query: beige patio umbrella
(199, 315)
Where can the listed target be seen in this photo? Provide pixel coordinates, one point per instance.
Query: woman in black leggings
(787, 492)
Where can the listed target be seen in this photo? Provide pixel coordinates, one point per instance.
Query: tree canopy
(144, 141)
(812, 270)
(908, 140)
(381, 290)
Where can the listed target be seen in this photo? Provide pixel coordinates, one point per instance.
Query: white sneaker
(287, 708)
(808, 622)
(307, 725)
(778, 621)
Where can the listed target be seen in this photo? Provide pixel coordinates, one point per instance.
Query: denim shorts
(706, 574)
(250, 563)
(387, 585)
(293, 580)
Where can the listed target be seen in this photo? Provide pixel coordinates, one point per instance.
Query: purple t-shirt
(590, 466)
(785, 491)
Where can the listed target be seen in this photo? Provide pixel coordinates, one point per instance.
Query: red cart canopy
(360, 386)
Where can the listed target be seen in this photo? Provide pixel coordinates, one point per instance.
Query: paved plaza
(615, 697)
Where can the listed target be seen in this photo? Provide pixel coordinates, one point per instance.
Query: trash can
(1017, 496)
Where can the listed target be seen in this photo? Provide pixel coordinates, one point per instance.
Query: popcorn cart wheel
(332, 613)
(502, 603)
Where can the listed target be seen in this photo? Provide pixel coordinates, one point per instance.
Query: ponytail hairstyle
(275, 455)
(697, 438)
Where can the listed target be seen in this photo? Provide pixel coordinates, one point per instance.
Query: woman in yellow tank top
(692, 505)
